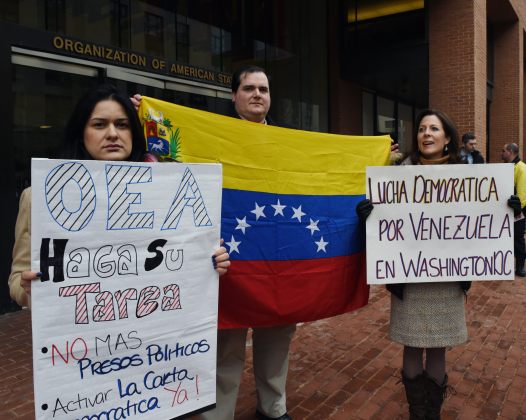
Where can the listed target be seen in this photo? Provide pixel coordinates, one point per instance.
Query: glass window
(226, 50)
(367, 114)
(9, 11)
(376, 32)
(154, 33)
(202, 98)
(97, 18)
(120, 32)
(391, 117)
(299, 74)
(43, 100)
(182, 41)
(191, 100)
(131, 88)
(287, 38)
(386, 119)
(56, 15)
(405, 126)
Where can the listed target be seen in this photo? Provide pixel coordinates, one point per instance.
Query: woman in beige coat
(104, 126)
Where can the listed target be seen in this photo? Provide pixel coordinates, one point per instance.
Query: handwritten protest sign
(125, 315)
(439, 223)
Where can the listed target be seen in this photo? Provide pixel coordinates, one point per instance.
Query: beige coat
(21, 250)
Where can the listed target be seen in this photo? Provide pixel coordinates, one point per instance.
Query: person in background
(103, 126)
(428, 317)
(469, 152)
(510, 154)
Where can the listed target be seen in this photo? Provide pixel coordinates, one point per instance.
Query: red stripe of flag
(269, 293)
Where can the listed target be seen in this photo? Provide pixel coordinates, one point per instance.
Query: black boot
(415, 392)
(435, 397)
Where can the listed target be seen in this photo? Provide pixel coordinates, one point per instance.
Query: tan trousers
(270, 350)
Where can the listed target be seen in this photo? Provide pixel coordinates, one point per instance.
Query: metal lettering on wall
(141, 61)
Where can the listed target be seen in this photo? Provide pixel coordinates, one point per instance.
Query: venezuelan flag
(288, 215)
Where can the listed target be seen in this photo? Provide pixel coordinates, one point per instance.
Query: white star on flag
(233, 245)
(242, 224)
(258, 211)
(313, 226)
(297, 213)
(321, 245)
(278, 208)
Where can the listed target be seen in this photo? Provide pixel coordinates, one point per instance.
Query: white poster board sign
(125, 314)
(440, 223)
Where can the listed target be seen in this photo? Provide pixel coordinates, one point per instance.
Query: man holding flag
(288, 219)
(270, 345)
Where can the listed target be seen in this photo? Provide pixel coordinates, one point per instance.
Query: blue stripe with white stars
(265, 226)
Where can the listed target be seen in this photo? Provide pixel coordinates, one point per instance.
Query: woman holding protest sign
(428, 316)
(103, 126)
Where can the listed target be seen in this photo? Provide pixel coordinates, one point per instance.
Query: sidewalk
(345, 368)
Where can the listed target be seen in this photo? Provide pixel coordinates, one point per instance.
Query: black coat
(477, 157)
(233, 113)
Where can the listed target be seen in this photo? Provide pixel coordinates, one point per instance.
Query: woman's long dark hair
(73, 141)
(449, 129)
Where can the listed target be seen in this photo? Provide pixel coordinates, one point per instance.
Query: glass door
(47, 87)
(44, 93)
(185, 93)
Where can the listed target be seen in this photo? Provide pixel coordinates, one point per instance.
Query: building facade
(465, 57)
(340, 66)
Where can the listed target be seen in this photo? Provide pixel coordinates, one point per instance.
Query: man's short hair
(236, 77)
(467, 137)
(513, 148)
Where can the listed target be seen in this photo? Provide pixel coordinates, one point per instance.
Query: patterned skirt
(431, 315)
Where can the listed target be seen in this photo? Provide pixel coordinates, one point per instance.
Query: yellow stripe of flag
(270, 159)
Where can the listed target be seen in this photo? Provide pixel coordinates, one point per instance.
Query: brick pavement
(345, 367)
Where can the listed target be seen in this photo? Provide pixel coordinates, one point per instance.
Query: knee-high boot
(435, 397)
(415, 392)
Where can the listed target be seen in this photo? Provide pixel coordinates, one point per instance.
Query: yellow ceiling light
(375, 9)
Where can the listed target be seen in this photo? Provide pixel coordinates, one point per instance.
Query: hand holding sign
(126, 307)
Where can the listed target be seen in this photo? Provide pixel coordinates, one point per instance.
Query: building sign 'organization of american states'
(140, 61)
